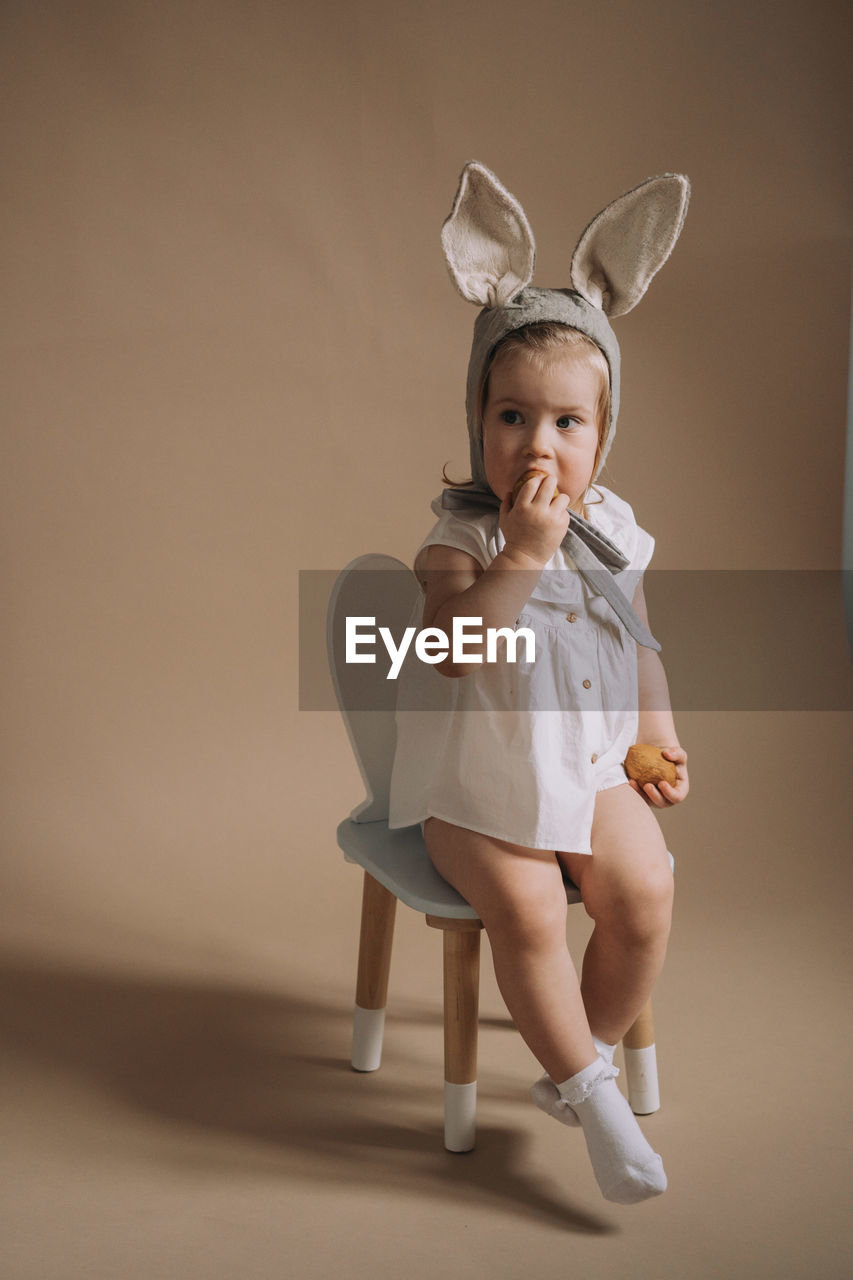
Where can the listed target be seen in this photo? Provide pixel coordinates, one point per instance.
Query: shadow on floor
(250, 1080)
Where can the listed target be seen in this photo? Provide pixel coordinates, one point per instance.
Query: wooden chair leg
(378, 910)
(461, 1005)
(641, 1068)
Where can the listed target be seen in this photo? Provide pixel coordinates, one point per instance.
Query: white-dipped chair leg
(641, 1065)
(378, 911)
(641, 1074)
(368, 1029)
(460, 1116)
(461, 944)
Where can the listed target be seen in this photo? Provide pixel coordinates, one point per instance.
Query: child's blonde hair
(541, 342)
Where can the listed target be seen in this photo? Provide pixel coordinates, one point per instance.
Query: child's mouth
(523, 478)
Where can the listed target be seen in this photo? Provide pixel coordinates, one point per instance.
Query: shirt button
(594, 757)
(571, 617)
(587, 684)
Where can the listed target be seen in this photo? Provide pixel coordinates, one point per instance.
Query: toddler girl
(520, 780)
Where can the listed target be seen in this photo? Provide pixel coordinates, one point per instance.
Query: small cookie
(645, 763)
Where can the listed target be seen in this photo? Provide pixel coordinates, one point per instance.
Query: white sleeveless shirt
(518, 750)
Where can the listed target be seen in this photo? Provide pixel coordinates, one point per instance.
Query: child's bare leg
(519, 895)
(627, 889)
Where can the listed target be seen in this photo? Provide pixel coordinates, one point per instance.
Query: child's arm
(656, 725)
(457, 586)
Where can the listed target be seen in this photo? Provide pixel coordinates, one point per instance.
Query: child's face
(542, 418)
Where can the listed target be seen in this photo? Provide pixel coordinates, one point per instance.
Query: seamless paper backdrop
(231, 352)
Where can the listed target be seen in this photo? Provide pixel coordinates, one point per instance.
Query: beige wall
(231, 351)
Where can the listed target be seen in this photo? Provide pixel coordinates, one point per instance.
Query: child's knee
(652, 914)
(527, 920)
(638, 906)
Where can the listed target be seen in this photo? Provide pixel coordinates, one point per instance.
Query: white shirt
(518, 750)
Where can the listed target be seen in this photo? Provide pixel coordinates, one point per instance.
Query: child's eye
(566, 421)
(511, 416)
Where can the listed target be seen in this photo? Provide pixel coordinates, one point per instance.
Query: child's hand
(535, 522)
(663, 794)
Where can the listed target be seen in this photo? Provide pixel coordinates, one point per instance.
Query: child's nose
(538, 439)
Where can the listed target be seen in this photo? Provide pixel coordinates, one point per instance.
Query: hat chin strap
(596, 557)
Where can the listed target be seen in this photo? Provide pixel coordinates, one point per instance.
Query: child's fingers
(529, 490)
(654, 796)
(545, 492)
(673, 794)
(647, 791)
(661, 795)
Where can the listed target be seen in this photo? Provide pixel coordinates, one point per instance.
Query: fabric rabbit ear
(627, 244)
(487, 240)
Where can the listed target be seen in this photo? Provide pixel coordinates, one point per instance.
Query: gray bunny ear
(487, 240)
(627, 244)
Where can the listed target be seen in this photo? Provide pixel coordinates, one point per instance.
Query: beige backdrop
(231, 352)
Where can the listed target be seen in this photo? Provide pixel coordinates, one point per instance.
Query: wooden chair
(397, 866)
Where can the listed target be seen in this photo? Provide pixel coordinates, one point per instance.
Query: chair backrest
(379, 587)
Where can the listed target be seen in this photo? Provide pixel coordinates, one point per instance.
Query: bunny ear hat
(490, 254)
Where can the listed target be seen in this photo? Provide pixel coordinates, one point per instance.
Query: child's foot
(547, 1096)
(625, 1166)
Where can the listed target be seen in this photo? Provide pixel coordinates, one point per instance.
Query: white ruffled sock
(625, 1166)
(546, 1095)
(605, 1051)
